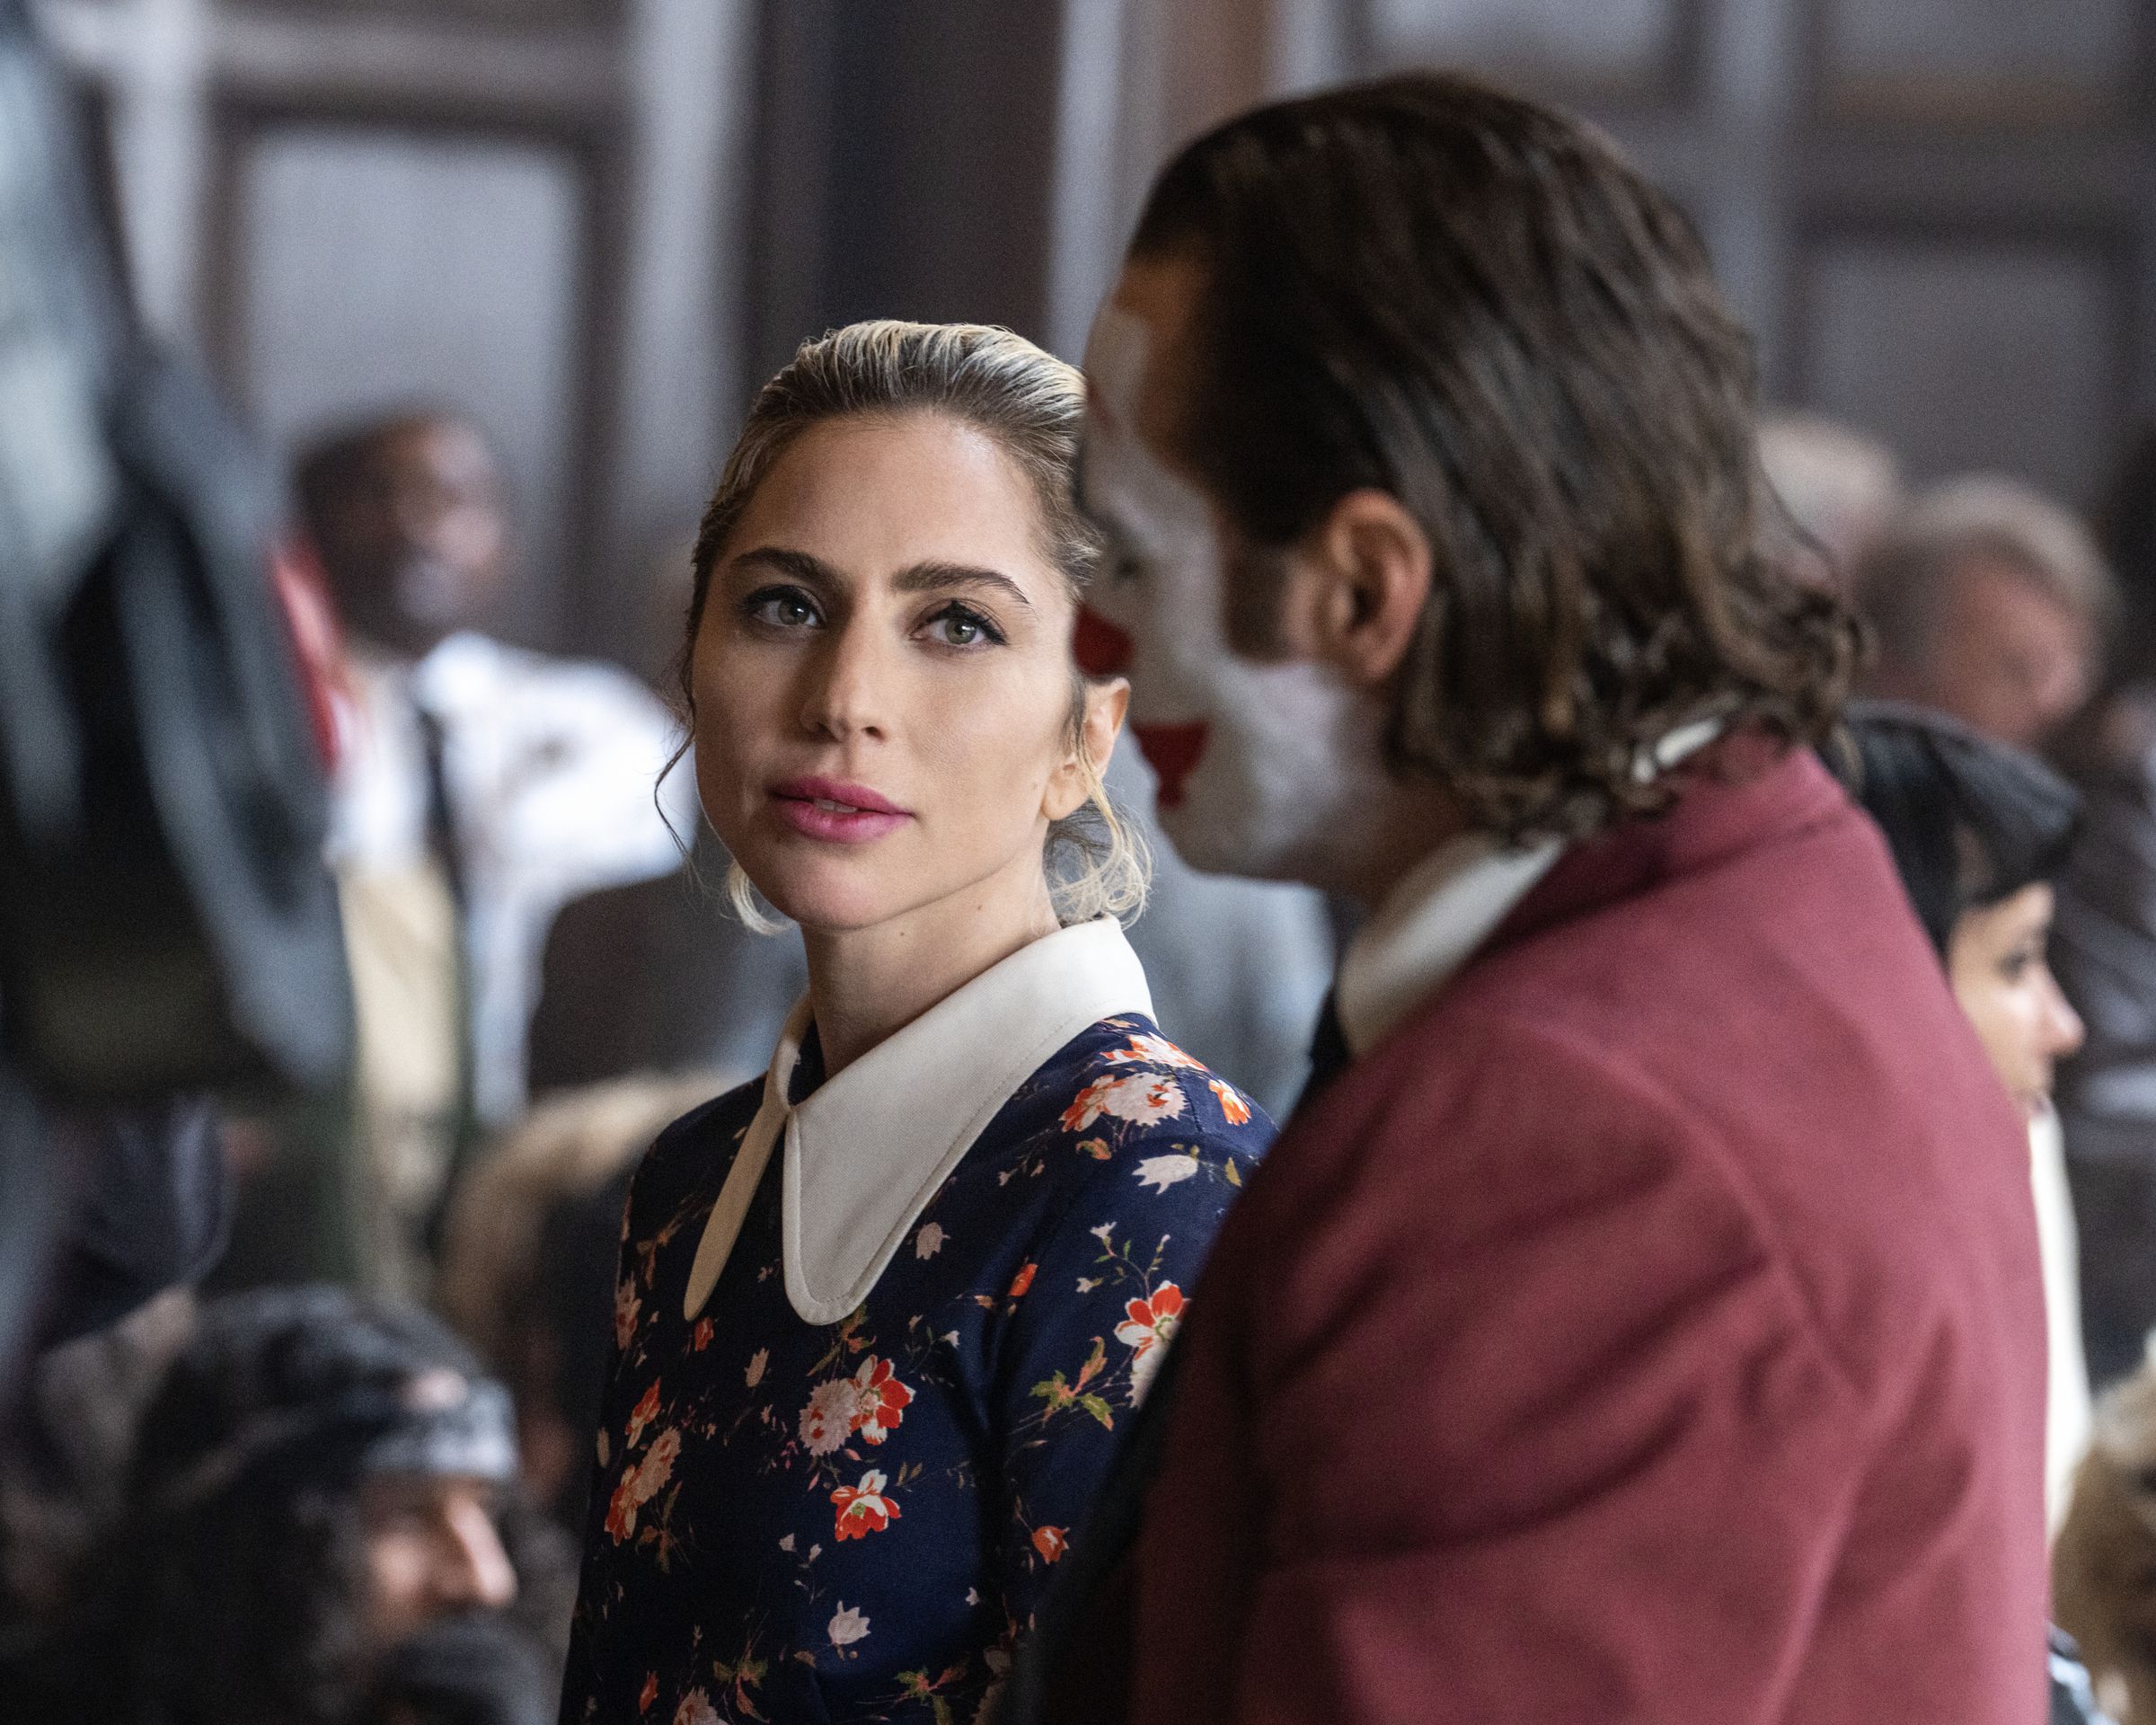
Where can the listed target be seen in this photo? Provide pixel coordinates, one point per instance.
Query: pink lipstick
(835, 810)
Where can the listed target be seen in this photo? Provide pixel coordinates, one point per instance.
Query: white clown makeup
(1256, 762)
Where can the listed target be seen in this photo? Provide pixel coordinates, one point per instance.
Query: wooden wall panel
(2004, 61)
(1642, 49)
(488, 12)
(378, 268)
(1970, 351)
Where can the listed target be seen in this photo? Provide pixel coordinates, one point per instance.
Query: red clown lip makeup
(826, 808)
(1099, 647)
(1171, 751)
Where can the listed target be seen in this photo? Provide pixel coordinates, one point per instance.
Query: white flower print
(627, 1305)
(929, 1242)
(1160, 1173)
(1103, 1233)
(1139, 1096)
(1147, 1049)
(847, 1626)
(757, 1361)
(1144, 1368)
(695, 1709)
(786, 1542)
(827, 1421)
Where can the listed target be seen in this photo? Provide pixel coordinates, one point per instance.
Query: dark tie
(1329, 1055)
(441, 814)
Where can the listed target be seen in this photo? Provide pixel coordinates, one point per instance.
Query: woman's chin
(829, 900)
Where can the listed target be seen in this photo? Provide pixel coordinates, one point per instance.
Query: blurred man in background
(1991, 604)
(1841, 487)
(482, 787)
(320, 1484)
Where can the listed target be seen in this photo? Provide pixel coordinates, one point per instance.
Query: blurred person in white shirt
(480, 787)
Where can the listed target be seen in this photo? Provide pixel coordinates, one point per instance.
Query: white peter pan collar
(872, 1144)
(1448, 905)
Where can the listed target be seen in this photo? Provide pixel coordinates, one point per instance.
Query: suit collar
(1457, 899)
(1745, 792)
(868, 1148)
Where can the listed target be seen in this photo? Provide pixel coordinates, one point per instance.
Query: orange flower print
(1144, 1048)
(649, 1693)
(880, 1401)
(1233, 1110)
(1147, 1327)
(864, 1509)
(626, 1305)
(1137, 1096)
(1021, 1282)
(833, 1411)
(641, 1415)
(701, 1338)
(641, 1483)
(1051, 1543)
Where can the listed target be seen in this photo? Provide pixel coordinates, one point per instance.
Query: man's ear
(1356, 586)
(1107, 700)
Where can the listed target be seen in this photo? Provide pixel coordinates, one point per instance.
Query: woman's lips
(1171, 751)
(829, 809)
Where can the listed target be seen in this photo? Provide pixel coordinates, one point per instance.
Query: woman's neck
(866, 983)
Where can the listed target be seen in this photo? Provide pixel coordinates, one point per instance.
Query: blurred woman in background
(1978, 830)
(883, 1313)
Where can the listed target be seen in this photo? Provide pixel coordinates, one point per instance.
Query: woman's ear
(1105, 702)
(1356, 586)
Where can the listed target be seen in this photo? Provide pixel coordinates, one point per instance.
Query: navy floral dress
(854, 1521)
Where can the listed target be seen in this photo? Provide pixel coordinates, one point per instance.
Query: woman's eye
(782, 608)
(959, 626)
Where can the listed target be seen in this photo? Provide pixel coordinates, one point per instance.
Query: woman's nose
(475, 1568)
(844, 696)
(2064, 1025)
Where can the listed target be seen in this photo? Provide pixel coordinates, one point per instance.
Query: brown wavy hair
(1430, 286)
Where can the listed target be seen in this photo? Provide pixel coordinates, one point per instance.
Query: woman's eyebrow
(784, 561)
(936, 577)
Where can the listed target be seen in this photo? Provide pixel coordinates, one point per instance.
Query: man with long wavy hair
(1640, 1319)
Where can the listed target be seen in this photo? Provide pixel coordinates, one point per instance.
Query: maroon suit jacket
(1649, 1328)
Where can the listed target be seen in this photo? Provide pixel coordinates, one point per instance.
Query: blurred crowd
(342, 1476)
(337, 1473)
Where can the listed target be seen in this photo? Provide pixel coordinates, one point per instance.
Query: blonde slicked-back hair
(1029, 404)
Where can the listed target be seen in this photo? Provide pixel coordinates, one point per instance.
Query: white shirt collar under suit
(1451, 902)
(1429, 925)
(871, 1145)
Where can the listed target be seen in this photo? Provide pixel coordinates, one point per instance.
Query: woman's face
(1995, 960)
(882, 677)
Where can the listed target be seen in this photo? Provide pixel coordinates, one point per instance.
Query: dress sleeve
(1093, 1309)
